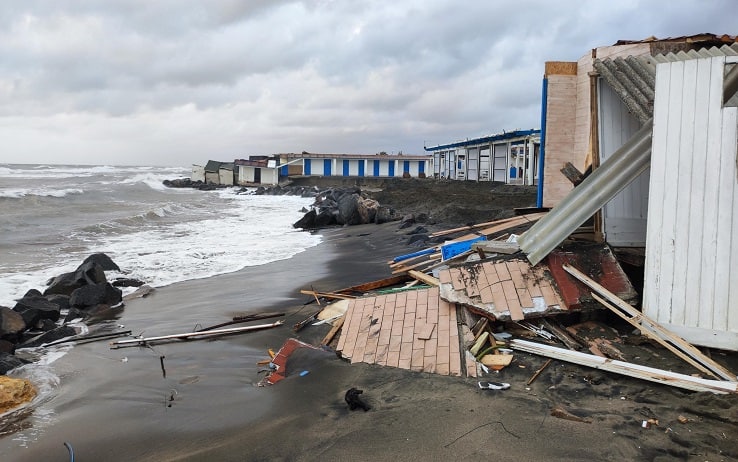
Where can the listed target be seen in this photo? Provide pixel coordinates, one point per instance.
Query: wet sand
(208, 407)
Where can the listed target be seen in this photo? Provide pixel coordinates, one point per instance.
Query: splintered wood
(413, 330)
(505, 289)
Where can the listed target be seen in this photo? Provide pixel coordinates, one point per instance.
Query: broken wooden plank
(652, 336)
(651, 374)
(472, 227)
(317, 294)
(572, 173)
(643, 322)
(422, 277)
(561, 335)
(334, 330)
(503, 247)
(190, 335)
(372, 285)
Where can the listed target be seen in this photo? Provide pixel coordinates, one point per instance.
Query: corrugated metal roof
(634, 77)
(618, 171)
(696, 38)
(487, 139)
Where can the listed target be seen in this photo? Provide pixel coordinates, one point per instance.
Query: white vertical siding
(691, 256)
(625, 214)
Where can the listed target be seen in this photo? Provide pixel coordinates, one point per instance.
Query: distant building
(509, 157)
(355, 165)
(261, 170)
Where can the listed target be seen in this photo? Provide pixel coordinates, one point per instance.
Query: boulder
(352, 211)
(418, 239)
(14, 392)
(9, 362)
(127, 282)
(95, 294)
(418, 230)
(105, 262)
(141, 292)
(307, 221)
(87, 273)
(11, 324)
(326, 217)
(74, 313)
(50, 336)
(35, 308)
(45, 325)
(62, 301)
(407, 221)
(384, 215)
(7, 347)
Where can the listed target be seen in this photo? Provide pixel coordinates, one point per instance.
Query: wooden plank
(653, 326)
(327, 294)
(632, 370)
(446, 232)
(347, 315)
(332, 333)
(373, 285)
(422, 277)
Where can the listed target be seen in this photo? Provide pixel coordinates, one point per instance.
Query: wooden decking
(413, 330)
(507, 289)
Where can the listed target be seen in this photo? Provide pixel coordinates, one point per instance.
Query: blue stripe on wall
(361, 168)
(327, 167)
(307, 166)
(421, 167)
(345, 167)
(376, 168)
(406, 166)
(391, 168)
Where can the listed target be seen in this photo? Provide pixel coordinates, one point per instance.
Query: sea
(53, 216)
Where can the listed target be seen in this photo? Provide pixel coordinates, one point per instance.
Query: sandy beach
(119, 405)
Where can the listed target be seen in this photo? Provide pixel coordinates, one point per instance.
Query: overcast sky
(176, 82)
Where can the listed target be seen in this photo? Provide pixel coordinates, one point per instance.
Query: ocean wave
(19, 193)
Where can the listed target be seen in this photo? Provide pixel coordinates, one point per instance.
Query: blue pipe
(542, 149)
(414, 254)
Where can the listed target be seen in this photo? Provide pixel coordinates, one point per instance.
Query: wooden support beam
(572, 173)
(327, 294)
(190, 335)
(422, 277)
(651, 374)
(644, 323)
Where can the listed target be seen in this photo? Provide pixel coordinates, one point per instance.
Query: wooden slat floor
(413, 330)
(504, 289)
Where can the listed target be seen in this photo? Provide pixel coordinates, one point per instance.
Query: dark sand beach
(117, 404)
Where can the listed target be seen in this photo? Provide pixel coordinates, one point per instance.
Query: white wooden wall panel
(691, 254)
(625, 214)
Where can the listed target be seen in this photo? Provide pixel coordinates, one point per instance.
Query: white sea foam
(17, 193)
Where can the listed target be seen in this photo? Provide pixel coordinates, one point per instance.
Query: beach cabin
(198, 173)
(508, 157)
(380, 165)
(225, 174)
(257, 170)
(656, 122)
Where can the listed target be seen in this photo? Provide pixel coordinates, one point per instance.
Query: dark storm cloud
(147, 79)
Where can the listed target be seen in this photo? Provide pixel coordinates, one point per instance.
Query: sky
(177, 82)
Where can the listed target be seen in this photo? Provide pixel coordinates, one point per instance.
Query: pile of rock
(344, 206)
(36, 318)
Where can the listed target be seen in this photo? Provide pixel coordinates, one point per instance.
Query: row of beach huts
(638, 139)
